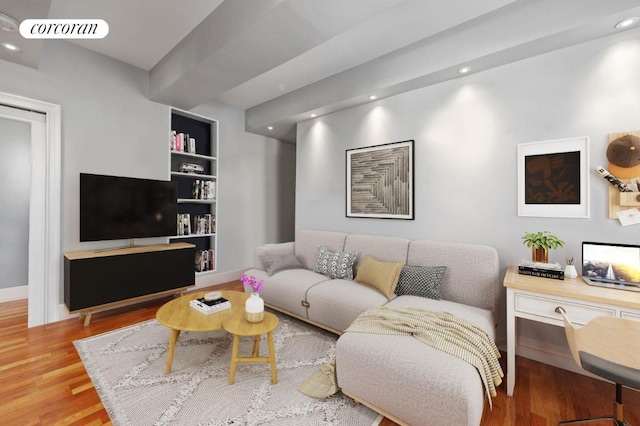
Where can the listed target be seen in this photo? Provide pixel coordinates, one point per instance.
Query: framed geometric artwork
(553, 178)
(380, 181)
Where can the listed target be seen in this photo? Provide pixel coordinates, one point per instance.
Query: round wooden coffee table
(239, 326)
(179, 316)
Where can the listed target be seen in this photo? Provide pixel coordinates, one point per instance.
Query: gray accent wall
(15, 181)
(466, 134)
(109, 126)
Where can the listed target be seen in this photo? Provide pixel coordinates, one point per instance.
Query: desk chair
(610, 348)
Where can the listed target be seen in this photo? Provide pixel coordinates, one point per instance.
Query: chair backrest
(610, 338)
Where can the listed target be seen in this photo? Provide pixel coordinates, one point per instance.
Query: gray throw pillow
(274, 263)
(420, 281)
(335, 264)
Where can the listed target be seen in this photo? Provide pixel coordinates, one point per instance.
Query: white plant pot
(570, 271)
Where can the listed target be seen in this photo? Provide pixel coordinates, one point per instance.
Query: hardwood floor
(43, 381)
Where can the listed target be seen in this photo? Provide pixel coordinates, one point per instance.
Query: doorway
(44, 251)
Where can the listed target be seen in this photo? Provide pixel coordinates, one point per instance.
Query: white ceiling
(283, 59)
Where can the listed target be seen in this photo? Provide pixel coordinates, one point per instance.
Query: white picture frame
(553, 178)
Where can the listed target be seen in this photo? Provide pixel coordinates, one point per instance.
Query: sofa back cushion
(308, 243)
(386, 249)
(472, 276)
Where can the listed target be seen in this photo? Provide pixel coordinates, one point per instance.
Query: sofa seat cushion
(409, 379)
(336, 303)
(287, 289)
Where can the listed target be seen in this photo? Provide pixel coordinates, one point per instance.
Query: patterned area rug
(127, 367)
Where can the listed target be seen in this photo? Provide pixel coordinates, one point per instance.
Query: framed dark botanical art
(380, 181)
(553, 178)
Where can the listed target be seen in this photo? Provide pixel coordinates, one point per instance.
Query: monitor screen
(114, 207)
(615, 264)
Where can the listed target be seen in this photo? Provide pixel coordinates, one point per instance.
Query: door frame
(45, 251)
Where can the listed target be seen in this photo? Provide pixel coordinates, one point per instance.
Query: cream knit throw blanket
(442, 331)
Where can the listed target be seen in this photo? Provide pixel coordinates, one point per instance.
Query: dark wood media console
(100, 279)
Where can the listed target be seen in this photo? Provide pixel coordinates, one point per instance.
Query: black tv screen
(115, 208)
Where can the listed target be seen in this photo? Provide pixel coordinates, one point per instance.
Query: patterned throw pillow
(335, 264)
(421, 281)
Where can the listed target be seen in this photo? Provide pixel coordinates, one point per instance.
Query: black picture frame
(380, 181)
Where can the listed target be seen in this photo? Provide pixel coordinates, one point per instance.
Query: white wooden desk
(536, 299)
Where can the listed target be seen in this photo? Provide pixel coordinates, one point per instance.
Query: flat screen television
(115, 208)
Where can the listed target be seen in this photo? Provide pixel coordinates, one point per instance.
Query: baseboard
(547, 353)
(207, 280)
(14, 293)
(63, 313)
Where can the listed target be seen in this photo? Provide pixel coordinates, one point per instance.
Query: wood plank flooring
(43, 381)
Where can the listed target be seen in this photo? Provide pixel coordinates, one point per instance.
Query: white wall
(256, 188)
(110, 127)
(15, 181)
(466, 134)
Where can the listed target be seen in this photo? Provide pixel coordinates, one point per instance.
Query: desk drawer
(630, 315)
(544, 306)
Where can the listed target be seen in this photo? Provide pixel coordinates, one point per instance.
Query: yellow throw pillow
(382, 276)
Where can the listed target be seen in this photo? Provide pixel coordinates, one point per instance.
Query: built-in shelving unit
(194, 170)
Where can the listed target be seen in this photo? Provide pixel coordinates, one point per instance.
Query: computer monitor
(611, 265)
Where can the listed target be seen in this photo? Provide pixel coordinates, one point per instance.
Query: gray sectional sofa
(401, 378)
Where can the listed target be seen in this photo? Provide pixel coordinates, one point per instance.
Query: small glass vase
(254, 308)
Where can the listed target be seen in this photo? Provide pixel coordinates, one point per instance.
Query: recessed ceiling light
(313, 115)
(10, 46)
(372, 97)
(464, 70)
(270, 127)
(7, 23)
(627, 22)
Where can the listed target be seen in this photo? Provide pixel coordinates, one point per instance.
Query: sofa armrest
(271, 249)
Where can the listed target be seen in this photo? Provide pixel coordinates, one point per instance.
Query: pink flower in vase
(250, 280)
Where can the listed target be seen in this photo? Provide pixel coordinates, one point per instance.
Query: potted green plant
(541, 242)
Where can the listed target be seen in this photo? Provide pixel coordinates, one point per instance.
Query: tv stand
(104, 279)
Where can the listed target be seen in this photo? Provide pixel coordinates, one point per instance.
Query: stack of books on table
(210, 306)
(543, 270)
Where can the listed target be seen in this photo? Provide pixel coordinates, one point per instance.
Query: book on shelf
(210, 306)
(184, 224)
(203, 190)
(205, 260)
(543, 270)
(204, 224)
(182, 142)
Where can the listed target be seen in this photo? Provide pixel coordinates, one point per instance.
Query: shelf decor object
(570, 270)
(623, 162)
(553, 178)
(380, 181)
(541, 242)
(254, 308)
